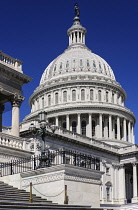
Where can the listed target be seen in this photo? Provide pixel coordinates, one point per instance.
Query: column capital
(121, 166)
(116, 166)
(103, 162)
(16, 100)
(134, 163)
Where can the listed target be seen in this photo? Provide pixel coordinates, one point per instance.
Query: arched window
(81, 63)
(100, 66)
(93, 127)
(104, 68)
(65, 96)
(88, 64)
(94, 65)
(42, 102)
(83, 95)
(118, 99)
(108, 191)
(61, 66)
(38, 105)
(55, 68)
(112, 97)
(73, 95)
(91, 95)
(106, 96)
(56, 98)
(99, 95)
(64, 125)
(74, 126)
(83, 128)
(49, 100)
(74, 64)
(67, 64)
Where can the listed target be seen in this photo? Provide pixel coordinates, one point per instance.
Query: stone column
(56, 120)
(113, 128)
(90, 125)
(135, 191)
(106, 128)
(122, 188)
(124, 129)
(79, 125)
(118, 128)
(1, 110)
(100, 126)
(133, 138)
(67, 122)
(110, 127)
(129, 132)
(16, 101)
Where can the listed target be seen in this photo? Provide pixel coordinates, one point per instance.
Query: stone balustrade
(71, 135)
(10, 62)
(12, 141)
(131, 148)
(86, 140)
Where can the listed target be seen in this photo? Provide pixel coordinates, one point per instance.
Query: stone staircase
(13, 198)
(9, 193)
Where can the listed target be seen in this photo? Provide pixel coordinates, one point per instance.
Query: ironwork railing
(48, 159)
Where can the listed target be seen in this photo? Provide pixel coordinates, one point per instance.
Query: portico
(11, 90)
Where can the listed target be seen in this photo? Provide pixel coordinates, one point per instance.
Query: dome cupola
(77, 32)
(77, 59)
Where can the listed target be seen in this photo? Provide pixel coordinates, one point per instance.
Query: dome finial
(76, 10)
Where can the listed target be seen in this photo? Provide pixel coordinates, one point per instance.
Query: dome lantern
(77, 32)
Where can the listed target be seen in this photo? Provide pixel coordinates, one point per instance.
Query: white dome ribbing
(77, 59)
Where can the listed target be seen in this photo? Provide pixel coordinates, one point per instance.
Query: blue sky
(35, 32)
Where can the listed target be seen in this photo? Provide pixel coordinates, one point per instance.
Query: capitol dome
(79, 92)
(77, 59)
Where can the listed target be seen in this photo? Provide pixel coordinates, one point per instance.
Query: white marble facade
(81, 96)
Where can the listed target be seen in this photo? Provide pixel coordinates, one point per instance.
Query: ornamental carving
(16, 100)
(57, 177)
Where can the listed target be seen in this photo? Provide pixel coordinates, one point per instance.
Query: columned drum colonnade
(97, 125)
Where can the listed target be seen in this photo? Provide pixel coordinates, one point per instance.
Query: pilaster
(135, 184)
(122, 188)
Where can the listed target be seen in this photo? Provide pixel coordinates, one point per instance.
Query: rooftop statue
(77, 10)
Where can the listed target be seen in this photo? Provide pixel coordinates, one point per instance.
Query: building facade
(85, 103)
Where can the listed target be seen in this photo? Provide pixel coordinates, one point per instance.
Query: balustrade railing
(11, 141)
(11, 62)
(48, 159)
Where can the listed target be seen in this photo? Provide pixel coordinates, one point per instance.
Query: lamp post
(42, 131)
